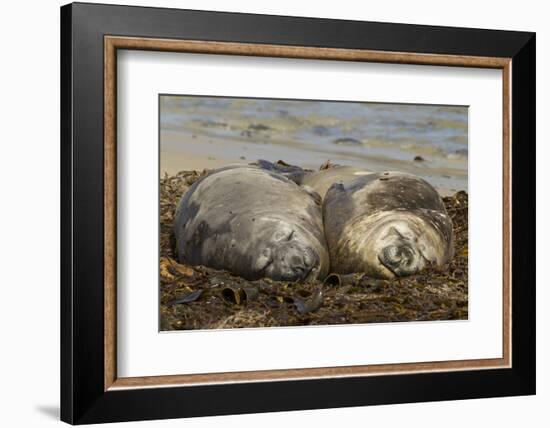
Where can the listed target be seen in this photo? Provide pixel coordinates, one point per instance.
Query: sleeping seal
(320, 181)
(386, 224)
(253, 223)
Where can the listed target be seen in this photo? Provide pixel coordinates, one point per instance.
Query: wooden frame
(513, 53)
(112, 43)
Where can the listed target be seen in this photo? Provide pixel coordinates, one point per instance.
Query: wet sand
(211, 152)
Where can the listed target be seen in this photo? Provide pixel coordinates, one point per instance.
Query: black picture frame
(83, 397)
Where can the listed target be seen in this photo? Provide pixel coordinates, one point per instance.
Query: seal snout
(297, 262)
(400, 259)
(301, 263)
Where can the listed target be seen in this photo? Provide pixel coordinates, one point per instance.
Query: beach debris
(320, 130)
(187, 298)
(327, 164)
(214, 124)
(314, 302)
(347, 141)
(258, 127)
(340, 280)
(333, 280)
(170, 269)
(232, 295)
(239, 295)
(458, 154)
(292, 172)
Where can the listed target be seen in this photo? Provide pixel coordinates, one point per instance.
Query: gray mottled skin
(386, 224)
(254, 223)
(320, 181)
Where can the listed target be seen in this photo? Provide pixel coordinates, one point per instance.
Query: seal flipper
(336, 188)
(292, 172)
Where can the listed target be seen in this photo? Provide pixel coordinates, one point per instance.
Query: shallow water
(205, 132)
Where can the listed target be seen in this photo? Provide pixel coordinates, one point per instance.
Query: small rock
(347, 142)
(458, 154)
(320, 130)
(258, 127)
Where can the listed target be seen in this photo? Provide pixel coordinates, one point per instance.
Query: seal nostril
(391, 255)
(408, 255)
(398, 259)
(296, 261)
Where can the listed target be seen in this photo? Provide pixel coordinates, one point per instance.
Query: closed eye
(393, 232)
(284, 235)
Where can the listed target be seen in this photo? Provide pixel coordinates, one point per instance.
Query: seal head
(392, 244)
(287, 258)
(386, 228)
(254, 223)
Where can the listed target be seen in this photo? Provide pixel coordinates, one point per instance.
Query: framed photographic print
(265, 213)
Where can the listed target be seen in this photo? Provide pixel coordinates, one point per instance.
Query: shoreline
(179, 152)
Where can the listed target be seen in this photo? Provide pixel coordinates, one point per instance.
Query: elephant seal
(254, 223)
(320, 181)
(386, 224)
